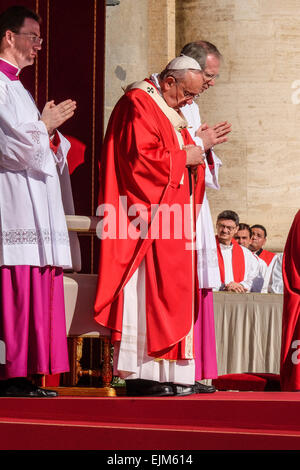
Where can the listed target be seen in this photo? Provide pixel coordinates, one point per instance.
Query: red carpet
(220, 421)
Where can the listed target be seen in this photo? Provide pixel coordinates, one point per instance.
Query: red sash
(238, 261)
(267, 256)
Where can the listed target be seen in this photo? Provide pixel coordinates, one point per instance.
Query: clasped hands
(54, 115)
(235, 287)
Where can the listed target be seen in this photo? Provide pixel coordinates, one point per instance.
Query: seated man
(267, 259)
(258, 241)
(243, 235)
(238, 267)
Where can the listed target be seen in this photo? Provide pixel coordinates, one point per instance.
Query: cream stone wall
(258, 92)
(126, 49)
(140, 40)
(162, 33)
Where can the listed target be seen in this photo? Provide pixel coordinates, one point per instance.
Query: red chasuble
(290, 343)
(238, 262)
(267, 256)
(143, 163)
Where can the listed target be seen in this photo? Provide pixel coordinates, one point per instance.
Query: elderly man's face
(258, 239)
(178, 93)
(226, 230)
(211, 71)
(243, 237)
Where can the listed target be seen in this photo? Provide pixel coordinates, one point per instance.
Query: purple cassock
(205, 342)
(32, 321)
(32, 317)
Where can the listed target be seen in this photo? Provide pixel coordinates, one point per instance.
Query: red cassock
(142, 167)
(290, 344)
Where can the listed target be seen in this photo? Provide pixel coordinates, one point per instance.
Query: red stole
(267, 256)
(54, 143)
(238, 261)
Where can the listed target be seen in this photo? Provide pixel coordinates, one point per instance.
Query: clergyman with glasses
(238, 266)
(34, 241)
(209, 58)
(146, 294)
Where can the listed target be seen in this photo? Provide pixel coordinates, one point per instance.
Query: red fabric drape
(290, 343)
(75, 154)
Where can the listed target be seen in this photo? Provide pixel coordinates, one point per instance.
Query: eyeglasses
(187, 94)
(230, 228)
(209, 77)
(35, 39)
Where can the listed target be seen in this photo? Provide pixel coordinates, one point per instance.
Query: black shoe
(39, 392)
(21, 387)
(201, 388)
(182, 390)
(147, 388)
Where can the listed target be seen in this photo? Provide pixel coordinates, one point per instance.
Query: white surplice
(258, 283)
(33, 225)
(207, 259)
(251, 267)
(273, 279)
(276, 285)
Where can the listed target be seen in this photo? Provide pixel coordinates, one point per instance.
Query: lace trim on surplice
(33, 237)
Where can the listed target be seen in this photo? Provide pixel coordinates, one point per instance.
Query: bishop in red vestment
(290, 343)
(151, 167)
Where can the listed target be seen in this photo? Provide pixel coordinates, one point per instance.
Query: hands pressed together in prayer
(213, 135)
(54, 115)
(210, 136)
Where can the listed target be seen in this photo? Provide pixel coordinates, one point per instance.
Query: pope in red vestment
(290, 343)
(143, 172)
